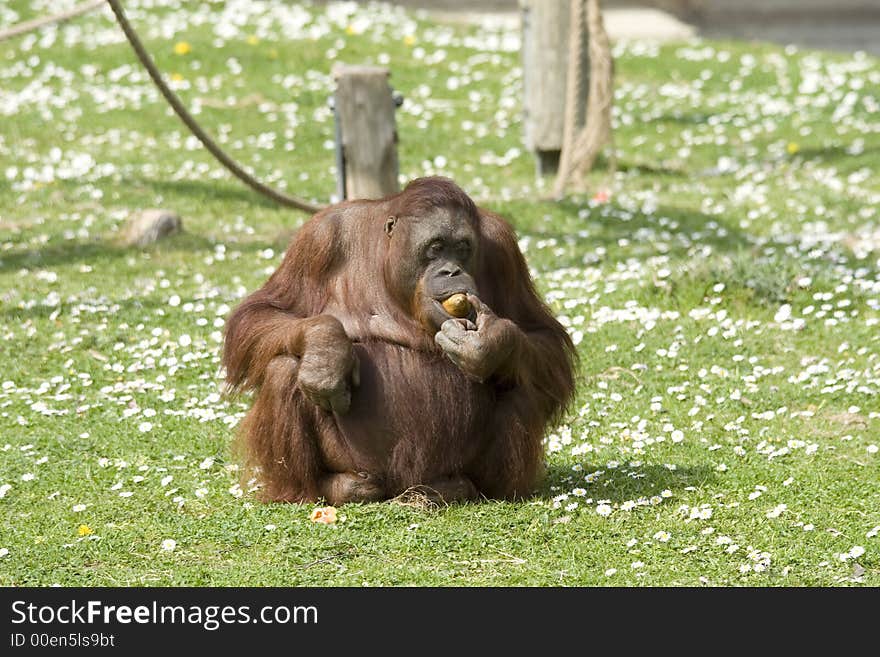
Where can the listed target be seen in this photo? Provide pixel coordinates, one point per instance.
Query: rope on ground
(231, 165)
(37, 23)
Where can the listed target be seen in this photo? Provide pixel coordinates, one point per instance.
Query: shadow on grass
(739, 259)
(220, 191)
(837, 154)
(624, 483)
(107, 251)
(103, 251)
(650, 169)
(767, 279)
(683, 118)
(680, 229)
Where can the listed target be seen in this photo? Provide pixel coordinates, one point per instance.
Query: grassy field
(725, 298)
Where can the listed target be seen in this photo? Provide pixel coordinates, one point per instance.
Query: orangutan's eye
(434, 250)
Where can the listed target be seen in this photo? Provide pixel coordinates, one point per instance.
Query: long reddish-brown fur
(433, 418)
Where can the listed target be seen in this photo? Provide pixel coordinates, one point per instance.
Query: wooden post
(364, 108)
(545, 29)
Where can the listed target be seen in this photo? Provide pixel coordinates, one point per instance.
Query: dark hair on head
(424, 194)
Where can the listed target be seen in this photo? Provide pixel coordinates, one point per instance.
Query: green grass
(727, 300)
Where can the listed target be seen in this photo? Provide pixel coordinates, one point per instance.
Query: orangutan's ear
(389, 225)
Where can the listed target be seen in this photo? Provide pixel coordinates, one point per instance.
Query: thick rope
(37, 23)
(573, 82)
(597, 129)
(224, 159)
(195, 128)
(596, 133)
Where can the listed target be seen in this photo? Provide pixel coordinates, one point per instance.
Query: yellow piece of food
(457, 305)
(325, 515)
